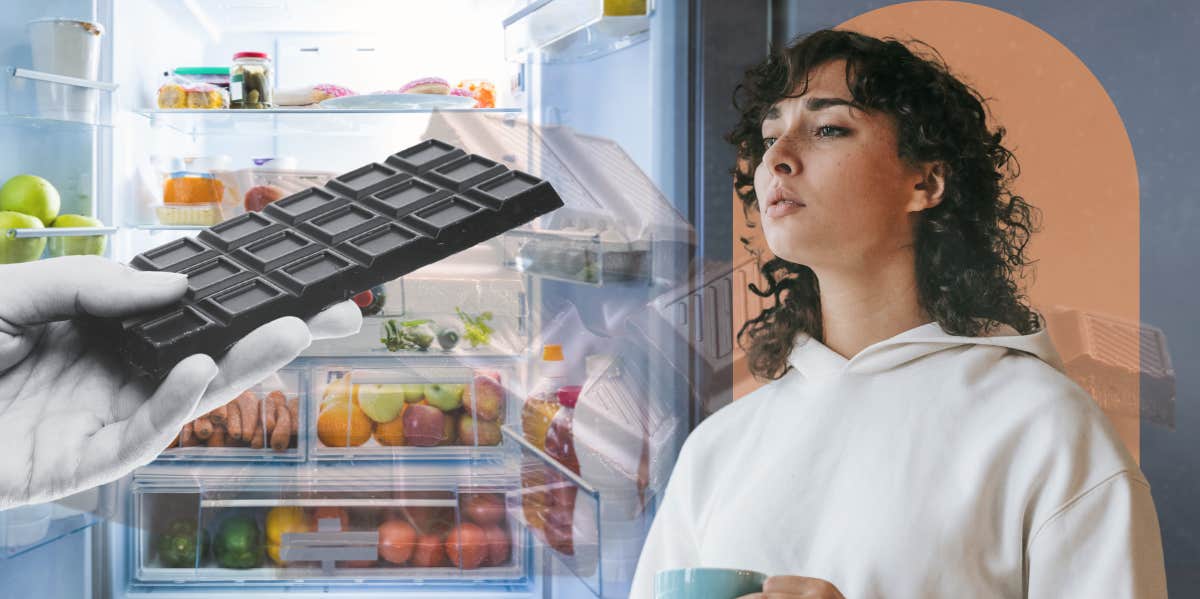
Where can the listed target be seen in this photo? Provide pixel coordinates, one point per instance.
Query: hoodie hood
(814, 360)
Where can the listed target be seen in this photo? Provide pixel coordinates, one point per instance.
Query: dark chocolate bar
(323, 245)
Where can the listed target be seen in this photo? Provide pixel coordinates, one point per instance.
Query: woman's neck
(861, 308)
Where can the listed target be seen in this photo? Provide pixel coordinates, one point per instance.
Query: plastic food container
(191, 198)
(218, 76)
(448, 412)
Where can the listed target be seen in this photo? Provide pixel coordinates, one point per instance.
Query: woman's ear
(928, 192)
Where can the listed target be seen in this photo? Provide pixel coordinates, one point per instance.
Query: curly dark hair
(970, 248)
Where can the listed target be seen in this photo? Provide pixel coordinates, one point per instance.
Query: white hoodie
(928, 466)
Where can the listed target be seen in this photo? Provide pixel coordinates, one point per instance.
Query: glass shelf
(49, 125)
(554, 31)
(25, 528)
(50, 100)
(60, 232)
(276, 121)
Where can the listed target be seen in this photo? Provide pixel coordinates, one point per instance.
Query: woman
(918, 438)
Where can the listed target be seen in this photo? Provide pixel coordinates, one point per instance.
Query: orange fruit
(391, 433)
(342, 424)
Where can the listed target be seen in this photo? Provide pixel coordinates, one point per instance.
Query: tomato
(498, 545)
(483, 508)
(466, 546)
(397, 540)
(429, 552)
(326, 512)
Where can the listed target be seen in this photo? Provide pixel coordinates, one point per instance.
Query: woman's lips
(783, 208)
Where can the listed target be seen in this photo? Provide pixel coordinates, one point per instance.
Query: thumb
(61, 288)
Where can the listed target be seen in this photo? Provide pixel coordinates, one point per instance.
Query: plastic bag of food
(181, 92)
(258, 187)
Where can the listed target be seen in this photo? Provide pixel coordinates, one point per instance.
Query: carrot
(187, 437)
(282, 434)
(218, 416)
(233, 421)
(250, 407)
(256, 441)
(270, 407)
(293, 407)
(203, 428)
(218, 437)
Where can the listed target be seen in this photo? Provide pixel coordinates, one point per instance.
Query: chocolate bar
(323, 245)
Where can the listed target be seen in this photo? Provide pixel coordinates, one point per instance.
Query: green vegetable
(477, 330)
(407, 335)
(448, 338)
(177, 546)
(239, 543)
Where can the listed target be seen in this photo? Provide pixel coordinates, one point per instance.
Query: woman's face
(832, 190)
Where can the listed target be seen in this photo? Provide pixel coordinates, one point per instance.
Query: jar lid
(250, 55)
(568, 396)
(201, 70)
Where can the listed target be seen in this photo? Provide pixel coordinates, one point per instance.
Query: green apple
(413, 392)
(381, 402)
(76, 246)
(14, 250)
(444, 397)
(32, 195)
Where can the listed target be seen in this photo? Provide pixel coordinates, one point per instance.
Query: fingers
(265, 350)
(796, 587)
(339, 320)
(61, 288)
(121, 446)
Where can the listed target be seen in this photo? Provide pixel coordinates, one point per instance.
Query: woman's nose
(783, 162)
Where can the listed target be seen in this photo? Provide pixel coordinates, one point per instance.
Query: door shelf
(555, 31)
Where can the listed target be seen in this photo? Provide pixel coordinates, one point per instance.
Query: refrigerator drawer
(264, 423)
(419, 410)
(314, 534)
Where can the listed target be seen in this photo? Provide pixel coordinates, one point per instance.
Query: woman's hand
(789, 587)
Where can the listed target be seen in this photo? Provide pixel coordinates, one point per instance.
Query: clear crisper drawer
(419, 532)
(424, 410)
(264, 423)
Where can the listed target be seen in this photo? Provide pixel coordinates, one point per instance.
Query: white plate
(398, 101)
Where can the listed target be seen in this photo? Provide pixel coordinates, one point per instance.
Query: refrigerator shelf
(554, 31)
(280, 121)
(26, 528)
(432, 410)
(413, 528)
(60, 232)
(52, 98)
(577, 256)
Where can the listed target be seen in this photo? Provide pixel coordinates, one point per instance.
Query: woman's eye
(830, 131)
(768, 142)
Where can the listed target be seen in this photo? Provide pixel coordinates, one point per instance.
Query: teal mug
(707, 583)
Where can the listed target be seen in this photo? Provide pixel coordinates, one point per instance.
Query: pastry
(426, 85)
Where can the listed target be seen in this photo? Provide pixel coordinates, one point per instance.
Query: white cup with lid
(69, 47)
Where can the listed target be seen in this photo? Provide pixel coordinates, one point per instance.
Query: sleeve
(1103, 543)
(672, 541)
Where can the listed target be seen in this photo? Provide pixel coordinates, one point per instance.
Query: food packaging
(182, 92)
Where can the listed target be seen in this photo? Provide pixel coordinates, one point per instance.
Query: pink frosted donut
(426, 85)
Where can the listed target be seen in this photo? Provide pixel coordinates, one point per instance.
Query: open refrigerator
(319, 486)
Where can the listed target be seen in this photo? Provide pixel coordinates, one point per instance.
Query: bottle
(541, 404)
(560, 442)
(250, 80)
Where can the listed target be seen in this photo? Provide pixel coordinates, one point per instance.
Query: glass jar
(250, 80)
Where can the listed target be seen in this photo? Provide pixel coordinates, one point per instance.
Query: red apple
(486, 401)
(466, 546)
(424, 425)
(472, 431)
